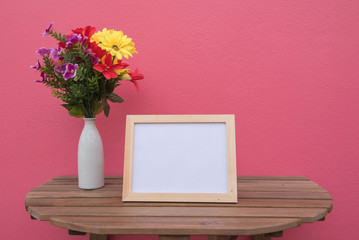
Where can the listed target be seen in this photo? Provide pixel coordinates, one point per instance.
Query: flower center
(115, 47)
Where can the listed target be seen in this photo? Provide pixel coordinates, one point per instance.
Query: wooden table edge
(63, 223)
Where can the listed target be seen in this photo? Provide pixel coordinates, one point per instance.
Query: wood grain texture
(265, 205)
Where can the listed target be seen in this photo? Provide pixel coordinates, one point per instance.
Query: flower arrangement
(86, 67)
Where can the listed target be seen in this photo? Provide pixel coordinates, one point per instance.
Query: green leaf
(93, 85)
(106, 107)
(98, 109)
(109, 87)
(113, 97)
(67, 106)
(76, 112)
(79, 90)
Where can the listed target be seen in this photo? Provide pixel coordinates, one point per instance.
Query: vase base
(90, 188)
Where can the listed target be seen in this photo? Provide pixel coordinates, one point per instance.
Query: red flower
(96, 49)
(88, 31)
(107, 69)
(136, 76)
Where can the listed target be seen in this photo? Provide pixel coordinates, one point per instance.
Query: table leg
(268, 236)
(97, 237)
(222, 237)
(261, 237)
(173, 237)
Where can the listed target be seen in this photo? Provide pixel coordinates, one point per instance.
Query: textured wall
(287, 69)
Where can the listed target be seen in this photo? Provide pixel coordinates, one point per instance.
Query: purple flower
(61, 69)
(55, 53)
(42, 74)
(70, 71)
(94, 60)
(73, 39)
(43, 51)
(47, 30)
(67, 70)
(37, 65)
(86, 51)
(84, 39)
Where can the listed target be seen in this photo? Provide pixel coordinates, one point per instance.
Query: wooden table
(266, 207)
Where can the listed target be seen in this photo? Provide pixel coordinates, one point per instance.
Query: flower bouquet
(83, 71)
(86, 67)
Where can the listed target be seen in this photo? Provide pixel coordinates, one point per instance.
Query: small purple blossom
(37, 65)
(55, 53)
(61, 69)
(73, 39)
(94, 60)
(70, 71)
(67, 70)
(43, 51)
(47, 30)
(86, 51)
(42, 74)
(84, 39)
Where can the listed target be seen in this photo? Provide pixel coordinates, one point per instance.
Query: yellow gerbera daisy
(95, 37)
(115, 43)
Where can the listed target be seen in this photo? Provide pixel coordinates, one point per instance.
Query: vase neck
(90, 121)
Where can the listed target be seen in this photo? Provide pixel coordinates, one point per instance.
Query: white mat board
(179, 158)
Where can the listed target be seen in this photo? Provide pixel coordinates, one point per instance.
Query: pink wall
(287, 69)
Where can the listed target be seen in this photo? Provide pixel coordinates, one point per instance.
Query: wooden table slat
(241, 195)
(241, 187)
(285, 195)
(238, 177)
(287, 181)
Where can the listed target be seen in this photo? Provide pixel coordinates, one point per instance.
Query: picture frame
(180, 158)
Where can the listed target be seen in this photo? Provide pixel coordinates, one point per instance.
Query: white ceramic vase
(90, 157)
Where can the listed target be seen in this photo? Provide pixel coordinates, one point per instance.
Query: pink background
(287, 69)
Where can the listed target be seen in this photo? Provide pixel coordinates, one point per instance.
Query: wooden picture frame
(180, 158)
